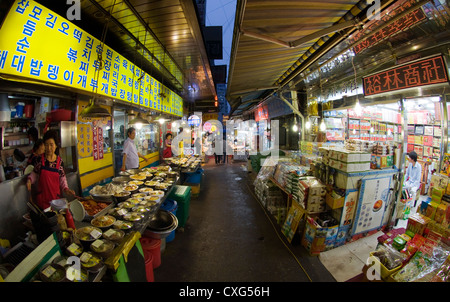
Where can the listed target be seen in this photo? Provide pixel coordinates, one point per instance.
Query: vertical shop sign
(84, 135)
(428, 71)
(100, 142)
(95, 142)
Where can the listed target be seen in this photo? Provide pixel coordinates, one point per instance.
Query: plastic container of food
(139, 195)
(52, 272)
(118, 212)
(91, 262)
(121, 196)
(114, 235)
(103, 247)
(145, 190)
(74, 250)
(138, 183)
(133, 216)
(123, 225)
(126, 205)
(87, 235)
(103, 222)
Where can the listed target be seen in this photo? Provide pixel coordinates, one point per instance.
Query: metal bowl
(121, 180)
(164, 233)
(162, 221)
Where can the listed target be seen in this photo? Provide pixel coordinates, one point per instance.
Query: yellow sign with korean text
(39, 45)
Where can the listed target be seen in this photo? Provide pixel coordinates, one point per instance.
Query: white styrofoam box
(365, 157)
(316, 199)
(348, 156)
(315, 208)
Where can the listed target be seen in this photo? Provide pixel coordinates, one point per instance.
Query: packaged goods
(417, 223)
(388, 256)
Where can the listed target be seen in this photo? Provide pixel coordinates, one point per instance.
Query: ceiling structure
(278, 46)
(163, 37)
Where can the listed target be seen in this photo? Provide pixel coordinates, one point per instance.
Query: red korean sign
(428, 71)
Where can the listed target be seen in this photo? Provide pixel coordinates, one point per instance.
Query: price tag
(122, 212)
(97, 243)
(109, 233)
(48, 271)
(95, 233)
(85, 257)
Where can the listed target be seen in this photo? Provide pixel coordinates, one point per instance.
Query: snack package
(389, 257)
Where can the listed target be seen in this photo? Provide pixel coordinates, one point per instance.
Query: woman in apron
(49, 173)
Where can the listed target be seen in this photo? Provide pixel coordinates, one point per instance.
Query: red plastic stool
(149, 267)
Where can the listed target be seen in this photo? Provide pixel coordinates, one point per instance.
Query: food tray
(88, 218)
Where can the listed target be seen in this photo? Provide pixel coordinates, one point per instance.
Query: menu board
(37, 44)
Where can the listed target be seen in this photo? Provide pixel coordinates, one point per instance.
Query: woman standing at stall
(167, 152)
(49, 169)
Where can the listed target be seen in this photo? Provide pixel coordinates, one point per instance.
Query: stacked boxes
(345, 160)
(382, 156)
(311, 194)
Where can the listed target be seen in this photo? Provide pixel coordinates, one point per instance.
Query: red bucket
(29, 111)
(152, 246)
(149, 268)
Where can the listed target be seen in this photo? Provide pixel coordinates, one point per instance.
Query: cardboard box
(317, 238)
(348, 156)
(335, 203)
(441, 211)
(417, 223)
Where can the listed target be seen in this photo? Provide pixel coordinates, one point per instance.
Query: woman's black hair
(33, 132)
(38, 143)
(130, 130)
(167, 135)
(51, 134)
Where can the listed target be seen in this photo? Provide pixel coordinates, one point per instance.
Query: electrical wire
(278, 235)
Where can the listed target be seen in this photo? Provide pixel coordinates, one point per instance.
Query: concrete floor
(229, 238)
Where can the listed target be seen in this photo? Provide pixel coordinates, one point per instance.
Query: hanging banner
(37, 44)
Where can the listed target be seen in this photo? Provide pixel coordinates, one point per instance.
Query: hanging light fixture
(358, 108)
(139, 121)
(295, 127)
(94, 110)
(308, 124)
(322, 125)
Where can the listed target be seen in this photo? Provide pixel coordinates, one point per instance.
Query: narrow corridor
(228, 237)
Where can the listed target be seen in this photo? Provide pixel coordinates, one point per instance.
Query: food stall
(108, 224)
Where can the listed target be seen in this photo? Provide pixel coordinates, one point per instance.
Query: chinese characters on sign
(428, 71)
(395, 27)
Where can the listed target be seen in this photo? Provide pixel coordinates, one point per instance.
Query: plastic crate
(384, 272)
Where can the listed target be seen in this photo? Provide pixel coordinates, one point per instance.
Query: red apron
(48, 184)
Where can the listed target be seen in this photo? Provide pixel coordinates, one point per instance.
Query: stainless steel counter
(13, 205)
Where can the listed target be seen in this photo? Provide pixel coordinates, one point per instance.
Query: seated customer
(413, 174)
